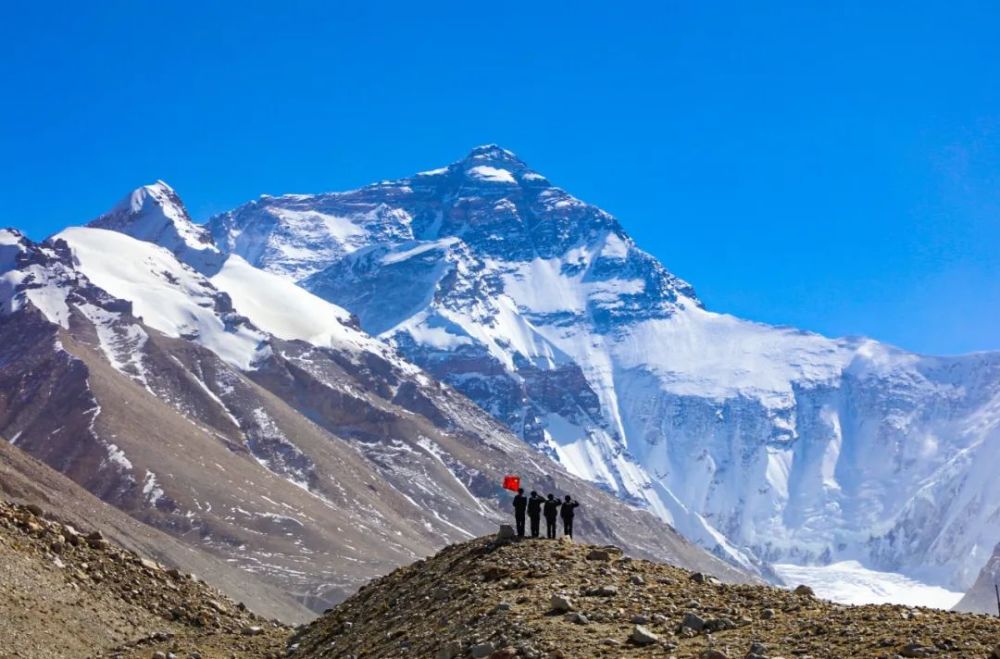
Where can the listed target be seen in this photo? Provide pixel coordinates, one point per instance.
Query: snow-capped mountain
(761, 443)
(252, 420)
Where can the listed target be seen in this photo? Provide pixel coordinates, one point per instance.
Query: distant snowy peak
(487, 166)
(155, 213)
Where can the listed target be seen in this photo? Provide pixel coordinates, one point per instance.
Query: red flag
(511, 483)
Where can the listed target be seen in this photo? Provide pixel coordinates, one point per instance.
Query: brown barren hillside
(69, 592)
(538, 598)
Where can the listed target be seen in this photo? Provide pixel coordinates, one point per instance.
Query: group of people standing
(535, 506)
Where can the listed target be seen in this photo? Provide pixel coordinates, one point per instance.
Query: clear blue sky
(834, 166)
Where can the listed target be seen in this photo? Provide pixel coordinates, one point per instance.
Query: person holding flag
(513, 483)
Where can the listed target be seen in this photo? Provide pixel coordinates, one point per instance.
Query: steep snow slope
(761, 443)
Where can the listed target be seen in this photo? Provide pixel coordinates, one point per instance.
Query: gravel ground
(538, 598)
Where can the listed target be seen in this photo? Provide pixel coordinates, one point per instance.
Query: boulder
(560, 603)
(642, 636)
(506, 532)
(804, 590)
(598, 555)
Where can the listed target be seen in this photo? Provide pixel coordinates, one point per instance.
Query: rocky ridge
(503, 598)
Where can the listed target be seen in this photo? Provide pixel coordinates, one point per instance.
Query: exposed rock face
(447, 606)
(761, 443)
(250, 419)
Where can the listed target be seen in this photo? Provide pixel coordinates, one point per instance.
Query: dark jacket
(567, 511)
(551, 508)
(520, 503)
(535, 506)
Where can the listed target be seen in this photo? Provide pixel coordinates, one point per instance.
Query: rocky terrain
(26, 481)
(556, 599)
(67, 591)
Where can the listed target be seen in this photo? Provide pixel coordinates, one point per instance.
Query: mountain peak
(149, 197)
(155, 213)
(493, 152)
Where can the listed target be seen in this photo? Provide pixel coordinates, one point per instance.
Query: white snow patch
(849, 582)
(166, 294)
(490, 174)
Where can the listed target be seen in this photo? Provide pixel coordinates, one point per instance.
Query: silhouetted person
(535, 512)
(520, 503)
(566, 512)
(551, 510)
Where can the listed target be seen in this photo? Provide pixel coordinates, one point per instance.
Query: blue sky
(833, 166)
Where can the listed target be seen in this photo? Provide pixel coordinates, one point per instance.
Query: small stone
(639, 619)
(693, 621)
(603, 591)
(719, 624)
(218, 606)
(159, 655)
(482, 650)
(577, 619)
(660, 619)
(804, 590)
(637, 580)
(598, 555)
(506, 532)
(149, 565)
(508, 652)
(915, 650)
(767, 614)
(713, 654)
(560, 603)
(252, 630)
(642, 636)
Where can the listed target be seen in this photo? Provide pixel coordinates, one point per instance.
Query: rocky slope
(505, 599)
(761, 443)
(67, 591)
(28, 482)
(249, 419)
